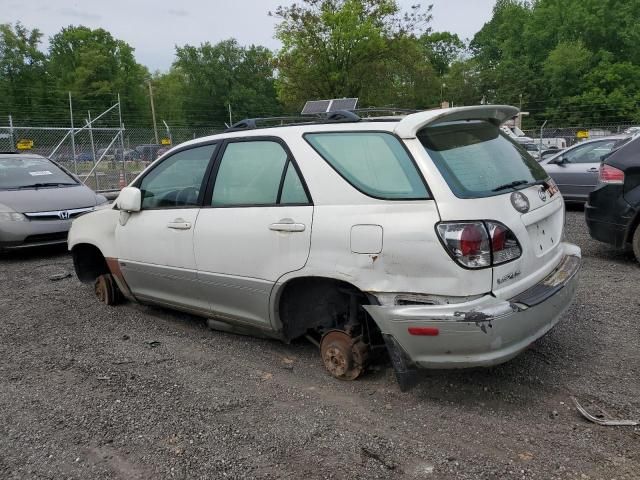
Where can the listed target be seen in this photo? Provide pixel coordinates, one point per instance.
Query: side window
(176, 182)
(590, 153)
(292, 189)
(251, 173)
(373, 162)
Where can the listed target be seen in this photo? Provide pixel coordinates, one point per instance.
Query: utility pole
(153, 113)
(230, 117)
(13, 142)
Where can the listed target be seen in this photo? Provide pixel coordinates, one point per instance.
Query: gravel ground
(133, 392)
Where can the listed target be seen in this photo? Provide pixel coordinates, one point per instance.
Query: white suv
(433, 235)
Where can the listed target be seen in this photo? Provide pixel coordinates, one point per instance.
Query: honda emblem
(64, 215)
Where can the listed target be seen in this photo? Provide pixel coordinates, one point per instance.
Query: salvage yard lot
(88, 391)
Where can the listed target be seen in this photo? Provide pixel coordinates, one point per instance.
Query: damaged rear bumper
(483, 332)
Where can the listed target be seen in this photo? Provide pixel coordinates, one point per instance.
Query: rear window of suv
(375, 163)
(477, 160)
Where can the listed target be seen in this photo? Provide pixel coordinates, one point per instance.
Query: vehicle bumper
(16, 235)
(608, 216)
(484, 332)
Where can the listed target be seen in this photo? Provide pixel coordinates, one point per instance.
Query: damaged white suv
(432, 235)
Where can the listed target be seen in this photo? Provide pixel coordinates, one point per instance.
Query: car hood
(48, 199)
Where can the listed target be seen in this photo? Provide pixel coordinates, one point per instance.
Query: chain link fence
(572, 135)
(104, 158)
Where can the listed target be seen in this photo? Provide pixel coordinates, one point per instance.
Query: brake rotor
(344, 356)
(106, 290)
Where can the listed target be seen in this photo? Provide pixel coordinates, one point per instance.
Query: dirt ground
(133, 392)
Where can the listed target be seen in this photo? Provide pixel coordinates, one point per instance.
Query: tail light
(479, 244)
(609, 174)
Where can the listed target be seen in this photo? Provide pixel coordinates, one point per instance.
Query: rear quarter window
(476, 158)
(375, 163)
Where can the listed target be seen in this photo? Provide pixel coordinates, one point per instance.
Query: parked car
(550, 152)
(433, 235)
(38, 201)
(533, 149)
(84, 157)
(613, 209)
(575, 170)
(149, 152)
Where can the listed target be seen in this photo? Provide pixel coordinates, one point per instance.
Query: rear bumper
(608, 215)
(483, 332)
(16, 235)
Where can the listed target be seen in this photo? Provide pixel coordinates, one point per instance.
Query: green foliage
(94, 67)
(351, 48)
(213, 77)
(22, 70)
(573, 61)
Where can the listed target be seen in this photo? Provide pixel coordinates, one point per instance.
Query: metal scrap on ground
(603, 421)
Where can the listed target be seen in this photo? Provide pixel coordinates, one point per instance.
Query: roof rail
(339, 116)
(391, 110)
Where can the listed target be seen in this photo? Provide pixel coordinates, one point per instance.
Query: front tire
(636, 243)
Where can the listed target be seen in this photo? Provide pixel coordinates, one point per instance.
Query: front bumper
(480, 333)
(16, 235)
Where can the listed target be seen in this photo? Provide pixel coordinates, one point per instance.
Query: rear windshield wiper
(514, 184)
(40, 185)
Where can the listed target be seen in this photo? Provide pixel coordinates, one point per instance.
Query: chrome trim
(58, 214)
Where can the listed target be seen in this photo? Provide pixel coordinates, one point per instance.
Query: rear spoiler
(496, 114)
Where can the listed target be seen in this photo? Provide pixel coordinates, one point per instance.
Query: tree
(22, 71)
(443, 48)
(348, 48)
(215, 77)
(95, 67)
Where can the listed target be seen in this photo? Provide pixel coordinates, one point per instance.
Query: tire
(636, 243)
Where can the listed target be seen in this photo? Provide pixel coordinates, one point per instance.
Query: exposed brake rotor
(344, 356)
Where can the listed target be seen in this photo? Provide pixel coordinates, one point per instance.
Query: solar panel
(343, 104)
(314, 107)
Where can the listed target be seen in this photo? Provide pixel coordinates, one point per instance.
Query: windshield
(477, 160)
(20, 171)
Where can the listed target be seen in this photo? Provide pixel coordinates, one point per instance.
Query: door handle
(179, 224)
(287, 225)
(593, 170)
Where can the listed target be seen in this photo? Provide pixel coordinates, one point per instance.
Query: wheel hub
(343, 356)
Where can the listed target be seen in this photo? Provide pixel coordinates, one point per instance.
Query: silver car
(575, 170)
(38, 201)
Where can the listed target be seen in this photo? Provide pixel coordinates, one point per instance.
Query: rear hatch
(478, 175)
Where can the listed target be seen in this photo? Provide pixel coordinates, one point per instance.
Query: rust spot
(114, 268)
(374, 258)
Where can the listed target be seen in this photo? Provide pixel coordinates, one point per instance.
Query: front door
(156, 244)
(255, 226)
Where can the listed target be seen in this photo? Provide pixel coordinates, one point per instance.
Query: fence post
(73, 138)
(124, 162)
(93, 147)
(13, 143)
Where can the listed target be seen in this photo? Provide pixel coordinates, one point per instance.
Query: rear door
(255, 226)
(578, 175)
(479, 171)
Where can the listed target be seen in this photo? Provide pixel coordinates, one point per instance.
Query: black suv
(613, 209)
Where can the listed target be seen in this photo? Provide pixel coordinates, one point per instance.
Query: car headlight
(12, 217)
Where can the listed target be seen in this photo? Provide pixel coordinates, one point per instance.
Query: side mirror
(559, 161)
(130, 199)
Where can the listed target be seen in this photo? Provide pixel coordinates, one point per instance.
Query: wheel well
(89, 262)
(635, 223)
(317, 304)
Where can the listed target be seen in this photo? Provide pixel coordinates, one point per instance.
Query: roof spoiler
(496, 114)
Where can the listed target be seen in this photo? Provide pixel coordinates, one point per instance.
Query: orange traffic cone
(122, 180)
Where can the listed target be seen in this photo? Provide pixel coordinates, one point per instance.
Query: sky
(154, 27)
